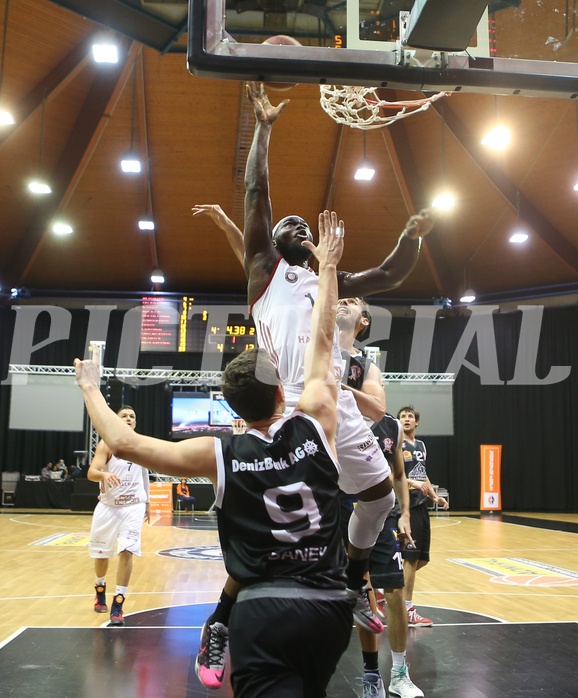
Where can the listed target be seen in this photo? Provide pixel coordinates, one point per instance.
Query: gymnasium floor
(503, 592)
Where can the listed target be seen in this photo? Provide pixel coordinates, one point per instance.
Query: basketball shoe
(401, 685)
(372, 685)
(417, 621)
(100, 598)
(116, 617)
(362, 612)
(210, 661)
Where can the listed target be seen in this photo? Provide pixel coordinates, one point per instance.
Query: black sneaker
(116, 617)
(100, 598)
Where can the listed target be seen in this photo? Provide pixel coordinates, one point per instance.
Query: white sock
(398, 659)
(121, 590)
(100, 581)
(408, 605)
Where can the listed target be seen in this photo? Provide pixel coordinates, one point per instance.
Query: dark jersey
(414, 456)
(356, 368)
(277, 505)
(388, 432)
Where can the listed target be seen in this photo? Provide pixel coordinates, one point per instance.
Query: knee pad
(367, 520)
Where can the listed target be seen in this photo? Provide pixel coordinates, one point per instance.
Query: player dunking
(280, 289)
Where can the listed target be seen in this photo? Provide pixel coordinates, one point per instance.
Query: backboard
(509, 47)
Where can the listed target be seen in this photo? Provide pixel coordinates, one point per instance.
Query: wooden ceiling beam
(410, 184)
(50, 85)
(549, 234)
(90, 124)
(132, 21)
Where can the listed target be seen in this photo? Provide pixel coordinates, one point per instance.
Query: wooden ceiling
(195, 132)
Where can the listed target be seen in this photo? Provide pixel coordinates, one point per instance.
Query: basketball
(283, 40)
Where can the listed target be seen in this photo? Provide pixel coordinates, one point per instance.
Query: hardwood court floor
(503, 593)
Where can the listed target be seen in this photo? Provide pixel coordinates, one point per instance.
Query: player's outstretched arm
(319, 396)
(260, 253)
(188, 458)
(396, 267)
(234, 235)
(401, 490)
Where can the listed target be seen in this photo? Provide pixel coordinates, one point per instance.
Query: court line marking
(132, 593)
(12, 637)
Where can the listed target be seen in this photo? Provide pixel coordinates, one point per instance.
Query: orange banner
(161, 495)
(491, 488)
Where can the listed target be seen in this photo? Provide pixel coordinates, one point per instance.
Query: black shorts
(420, 532)
(385, 561)
(287, 647)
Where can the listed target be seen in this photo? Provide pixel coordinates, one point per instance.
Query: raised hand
(87, 372)
(214, 211)
(331, 234)
(265, 112)
(420, 224)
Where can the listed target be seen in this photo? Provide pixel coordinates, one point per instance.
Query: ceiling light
(36, 186)
(519, 237)
(575, 187)
(497, 138)
(61, 228)
(365, 171)
(130, 162)
(445, 201)
(157, 277)
(39, 185)
(469, 296)
(6, 118)
(105, 52)
(146, 223)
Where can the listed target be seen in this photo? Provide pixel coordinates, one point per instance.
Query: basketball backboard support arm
(213, 52)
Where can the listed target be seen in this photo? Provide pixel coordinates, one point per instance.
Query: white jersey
(282, 316)
(131, 489)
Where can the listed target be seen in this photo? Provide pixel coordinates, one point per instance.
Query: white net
(361, 107)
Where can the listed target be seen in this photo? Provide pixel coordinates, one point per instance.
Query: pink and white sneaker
(210, 661)
(362, 613)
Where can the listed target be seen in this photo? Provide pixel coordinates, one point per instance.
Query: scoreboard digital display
(187, 326)
(158, 331)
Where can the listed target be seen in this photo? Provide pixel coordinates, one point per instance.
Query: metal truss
(195, 378)
(419, 377)
(130, 375)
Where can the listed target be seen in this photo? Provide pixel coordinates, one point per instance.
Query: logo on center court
(518, 571)
(198, 552)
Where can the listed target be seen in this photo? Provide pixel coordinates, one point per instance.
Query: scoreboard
(183, 325)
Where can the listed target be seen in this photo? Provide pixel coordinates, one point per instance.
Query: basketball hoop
(361, 107)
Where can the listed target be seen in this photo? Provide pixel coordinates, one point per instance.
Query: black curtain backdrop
(536, 424)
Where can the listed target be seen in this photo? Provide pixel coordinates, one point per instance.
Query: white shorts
(362, 462)
(118, 527)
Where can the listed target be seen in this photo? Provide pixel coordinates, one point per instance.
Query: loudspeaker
(443, 25)
(114, 394)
